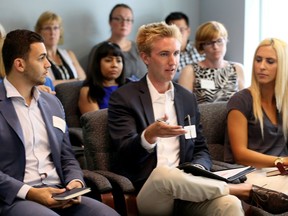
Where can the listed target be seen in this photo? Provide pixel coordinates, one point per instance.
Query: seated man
(36, 158)
(146, 120)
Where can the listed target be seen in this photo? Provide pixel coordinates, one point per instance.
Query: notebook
(227, 175)
(70, 194)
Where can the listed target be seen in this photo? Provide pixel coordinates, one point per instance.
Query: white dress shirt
(39, 167)
(168, 149)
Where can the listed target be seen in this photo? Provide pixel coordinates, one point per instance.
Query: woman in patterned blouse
(213, 79)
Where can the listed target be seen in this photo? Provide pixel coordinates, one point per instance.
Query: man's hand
(162, 129)
(44, 197)
(76, 200)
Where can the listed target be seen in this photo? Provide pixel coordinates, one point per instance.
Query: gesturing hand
(162, 129)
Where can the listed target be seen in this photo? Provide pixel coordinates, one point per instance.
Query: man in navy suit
(155, 126)
(36, 158)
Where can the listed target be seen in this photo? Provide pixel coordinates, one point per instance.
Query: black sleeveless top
(61, 72)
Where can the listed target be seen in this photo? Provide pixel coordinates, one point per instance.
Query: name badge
(191, 131)
(207, 84)
(59, 123)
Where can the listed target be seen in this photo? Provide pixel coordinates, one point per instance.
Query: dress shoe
(269, 200)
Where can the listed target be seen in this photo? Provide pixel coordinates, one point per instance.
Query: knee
(160, 173)
(230, 204)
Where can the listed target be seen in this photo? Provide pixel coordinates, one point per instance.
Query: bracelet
(279, 160)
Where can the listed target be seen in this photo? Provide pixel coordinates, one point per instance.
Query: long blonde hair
(281, 83)
(2, 37)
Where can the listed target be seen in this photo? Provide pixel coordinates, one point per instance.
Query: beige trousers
(206, 196)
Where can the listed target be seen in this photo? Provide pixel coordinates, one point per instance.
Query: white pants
(206, 196)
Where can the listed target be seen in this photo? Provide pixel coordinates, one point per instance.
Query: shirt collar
(155, 95)
(12, 92)
(188, 46)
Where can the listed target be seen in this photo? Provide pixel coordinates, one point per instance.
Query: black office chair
(68, 94)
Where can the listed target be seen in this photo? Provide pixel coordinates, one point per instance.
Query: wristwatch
(279, 160)
(280, 166)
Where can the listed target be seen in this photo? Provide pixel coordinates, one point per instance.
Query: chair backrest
(213, 119)
(97, 143)
(68, 94)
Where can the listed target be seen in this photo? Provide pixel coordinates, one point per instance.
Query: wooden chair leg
(108, 199)
(131, 204)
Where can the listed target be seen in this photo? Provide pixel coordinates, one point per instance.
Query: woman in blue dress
(104, 76)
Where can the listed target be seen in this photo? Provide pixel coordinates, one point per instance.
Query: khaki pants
(198, 195)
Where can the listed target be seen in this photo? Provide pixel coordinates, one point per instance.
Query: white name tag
(207, 84)
(59, 123)
(191, 132)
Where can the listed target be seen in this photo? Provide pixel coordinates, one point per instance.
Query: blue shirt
(49, 83)
(108, 92)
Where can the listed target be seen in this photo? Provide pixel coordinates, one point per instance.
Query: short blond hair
(149, 33)
(48, 17)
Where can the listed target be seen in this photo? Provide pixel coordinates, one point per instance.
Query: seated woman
(121, 21)
(64, 64)
(257, 116)
(213, 79)
(104, 76)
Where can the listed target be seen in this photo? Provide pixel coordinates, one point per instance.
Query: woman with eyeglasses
(65, 66)
(121, 21)
(213, 79)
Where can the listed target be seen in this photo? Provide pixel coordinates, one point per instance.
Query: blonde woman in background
(64, 64)
(213, 79)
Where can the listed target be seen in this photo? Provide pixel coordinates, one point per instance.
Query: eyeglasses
(121, 20)
(50, 28)
(219, 42)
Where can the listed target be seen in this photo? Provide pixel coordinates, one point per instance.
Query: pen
(162, 120)
(189, 119)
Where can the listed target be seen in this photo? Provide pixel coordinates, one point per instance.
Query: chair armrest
(124, 183)
(100, 182)
(124, 193)
(101, 189)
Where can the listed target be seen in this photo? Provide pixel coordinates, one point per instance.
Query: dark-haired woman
(104, 76)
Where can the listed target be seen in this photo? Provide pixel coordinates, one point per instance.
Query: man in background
(189, 53)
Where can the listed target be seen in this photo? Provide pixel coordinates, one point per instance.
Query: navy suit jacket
(12, 151)
(130, 112)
